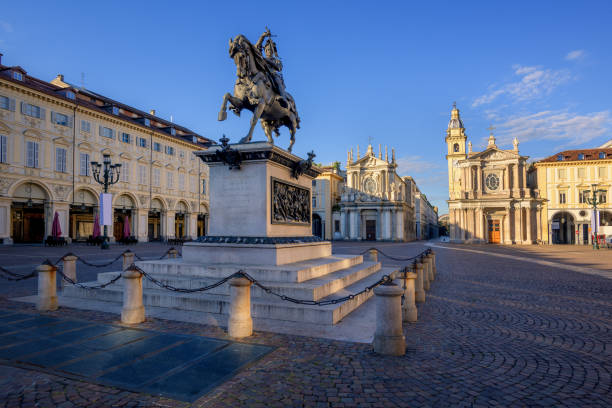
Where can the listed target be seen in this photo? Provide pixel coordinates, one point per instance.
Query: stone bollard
(373, 253)
(172, 253)
(389, 338)
(419, 291)
(433, 263)
(128, 259)
(240, 323)
(69, 268)
(409, 309)
(430, 261)
(133, 311)
(47, 289)
(426, 281)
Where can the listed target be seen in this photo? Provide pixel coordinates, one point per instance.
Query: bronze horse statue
(259, 89)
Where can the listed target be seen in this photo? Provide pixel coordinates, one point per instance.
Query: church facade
(490, 199)
(376, 203)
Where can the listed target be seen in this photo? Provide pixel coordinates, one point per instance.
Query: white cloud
(575, 55)
(534, 82)
(409, 165)
(567, 128)
(6, 26)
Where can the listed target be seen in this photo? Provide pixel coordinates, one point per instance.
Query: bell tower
(455, 143)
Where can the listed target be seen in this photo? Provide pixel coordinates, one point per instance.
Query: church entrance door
(494, 236)
(371, 230)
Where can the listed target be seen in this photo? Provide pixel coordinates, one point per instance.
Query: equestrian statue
(260, 88)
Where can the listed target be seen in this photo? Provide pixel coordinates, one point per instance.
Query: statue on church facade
(260, 88)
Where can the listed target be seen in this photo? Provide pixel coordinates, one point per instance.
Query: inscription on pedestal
(290, 203)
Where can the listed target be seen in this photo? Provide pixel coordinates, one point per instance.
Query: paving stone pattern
(493, 332)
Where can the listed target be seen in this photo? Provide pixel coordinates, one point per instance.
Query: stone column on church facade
(478, 181)
(507, 235)
(343, 224)
(515, 178)
(528, 225)
(507, 180)
(378, 224)
(399, 223)
(539, 223)
(518, 224)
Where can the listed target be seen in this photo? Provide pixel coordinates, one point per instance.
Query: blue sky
(387, 70)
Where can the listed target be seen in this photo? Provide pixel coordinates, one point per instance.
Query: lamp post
(105, 174)
(594, 201)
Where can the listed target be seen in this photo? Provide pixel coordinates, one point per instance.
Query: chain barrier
(424, 252)
(80, 285)
(185, 290)
(12, 276)
(100, 265)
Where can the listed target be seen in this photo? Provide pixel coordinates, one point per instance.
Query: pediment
(108, 152)
(142, 159)
(493, 154)
(157, 163)
(84, 146)
(169, 166)
(32, 133)
(4, 127)
(369, 161)
(61, 141)
(125, 155)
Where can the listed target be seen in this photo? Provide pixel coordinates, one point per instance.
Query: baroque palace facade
(50, 132)
(490, 199)
(565, 180)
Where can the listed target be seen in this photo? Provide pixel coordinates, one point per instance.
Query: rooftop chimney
(152, 112)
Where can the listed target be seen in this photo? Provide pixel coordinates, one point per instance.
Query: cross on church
(491, 129)
(370, 140)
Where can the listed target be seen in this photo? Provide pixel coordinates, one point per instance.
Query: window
(182, 154)
(3, 148)
(125, 137)
(32, 110)
(85, 126)
(115, 110)
(456, 148)
(142, 142)
(60, 160)
(156, 177)
(142, 174)
(581, 173)
(170, 150)
(181, 182)
(84, 160)
(561, 198)
(602, 197)
(170, 180)
(580, 156)
(582, 197)
(61, 119)
(560, 157)
(336, 225)
(17, 75)
(602, 173)
(107, 132)
(70, 95)
(561, 173)
(125, 172)
(602, 155)
(32, 154)
(7, 103)
(157, 147)
(204, 186)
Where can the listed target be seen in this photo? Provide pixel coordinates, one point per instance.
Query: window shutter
(100, 130)
(12, 105)
(3, 149)
(35, 154)
(113, 133)
(23, 107)
(70, 121)
(42, 113)
(53, 116)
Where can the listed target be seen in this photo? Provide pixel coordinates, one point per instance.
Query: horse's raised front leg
(256, 115)
(223, 111)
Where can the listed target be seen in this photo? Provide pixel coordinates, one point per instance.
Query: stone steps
(295, 272)
(269, 307)
(313, 289)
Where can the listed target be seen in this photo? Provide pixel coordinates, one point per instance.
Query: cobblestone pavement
(493, 332)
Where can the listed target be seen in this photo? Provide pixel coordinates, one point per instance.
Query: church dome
(455, 122)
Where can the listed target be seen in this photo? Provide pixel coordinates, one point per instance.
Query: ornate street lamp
(108, 176)
(594, 201)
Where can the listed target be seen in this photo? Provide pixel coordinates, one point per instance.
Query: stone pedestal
(389, 338)
(373, 253)
(240, 323)
(419, 290)
(128, 259)
(47, 291)
(409, 309)
(260, 208)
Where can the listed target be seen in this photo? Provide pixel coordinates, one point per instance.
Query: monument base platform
(255, 253)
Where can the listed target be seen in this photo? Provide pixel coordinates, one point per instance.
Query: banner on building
(106, 209)
(594, 221)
